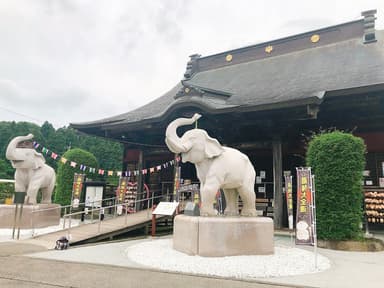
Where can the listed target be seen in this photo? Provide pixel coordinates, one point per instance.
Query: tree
(65, 174)
(338, 161)
(108, 153)
(6, 170)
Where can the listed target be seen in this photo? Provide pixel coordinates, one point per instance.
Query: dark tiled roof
(298, 75)
(254, 79)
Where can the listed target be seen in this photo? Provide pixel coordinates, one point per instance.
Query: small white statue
(32, 174)
(217, 168)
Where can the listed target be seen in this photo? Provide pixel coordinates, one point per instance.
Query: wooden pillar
(277, 183)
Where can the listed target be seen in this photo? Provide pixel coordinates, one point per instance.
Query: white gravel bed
(286, 261)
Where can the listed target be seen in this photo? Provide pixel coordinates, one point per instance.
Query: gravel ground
(286, 261)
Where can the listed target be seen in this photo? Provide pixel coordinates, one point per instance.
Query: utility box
(19, 197)
(191, 209)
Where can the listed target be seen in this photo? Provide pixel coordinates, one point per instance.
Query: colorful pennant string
(101, 171)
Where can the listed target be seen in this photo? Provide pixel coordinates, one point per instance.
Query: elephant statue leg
(33, 189)
(46, 195)
(31, 197)
(47, 191)
(249, 201)
(208, 192)
(20, 187)
(231, 196)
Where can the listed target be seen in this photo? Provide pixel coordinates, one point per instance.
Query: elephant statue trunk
(14, 152)
(173, 141)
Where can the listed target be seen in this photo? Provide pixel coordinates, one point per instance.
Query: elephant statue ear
(39, 159)
(212, 147)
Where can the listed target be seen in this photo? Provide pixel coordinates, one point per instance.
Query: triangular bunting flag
(108, 172)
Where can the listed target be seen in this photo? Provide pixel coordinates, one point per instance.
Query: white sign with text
(165, 208)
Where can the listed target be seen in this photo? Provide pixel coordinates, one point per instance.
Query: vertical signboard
(176, 180)
(131, 196)
(288, 196)
(305, 226)
(77, 187)
(122, 189)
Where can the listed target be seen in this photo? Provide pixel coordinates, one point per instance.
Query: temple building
(266, 100)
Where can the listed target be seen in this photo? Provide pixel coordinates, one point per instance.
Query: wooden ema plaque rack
(374, 205)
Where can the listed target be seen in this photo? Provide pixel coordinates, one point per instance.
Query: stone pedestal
(223, 236)
(29, 220)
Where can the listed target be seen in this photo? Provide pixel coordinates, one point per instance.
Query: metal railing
(115, 207)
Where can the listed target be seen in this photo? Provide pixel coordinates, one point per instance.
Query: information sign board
(165, 208)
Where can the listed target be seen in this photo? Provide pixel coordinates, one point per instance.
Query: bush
(7, 190)
(337, 160)
(65, 174)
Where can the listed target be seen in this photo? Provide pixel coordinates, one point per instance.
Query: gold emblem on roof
(228, 58)
(269, 49)
(186, 90)
(315, 38)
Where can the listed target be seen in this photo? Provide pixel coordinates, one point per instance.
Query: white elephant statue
(32, 174)
(217, 168)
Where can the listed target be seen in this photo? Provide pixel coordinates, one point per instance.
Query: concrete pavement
(17, 271)
(25, 264)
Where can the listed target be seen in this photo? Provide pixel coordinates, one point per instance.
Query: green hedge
(65, 174)
(337, 160)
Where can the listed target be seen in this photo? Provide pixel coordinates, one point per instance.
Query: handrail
(150, 203)
(7, 181)
(110, 206)
(65, 210)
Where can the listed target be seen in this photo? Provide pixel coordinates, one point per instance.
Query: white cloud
(83, 60)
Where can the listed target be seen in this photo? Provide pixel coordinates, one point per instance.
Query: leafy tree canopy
(108, 153)
(65, 174)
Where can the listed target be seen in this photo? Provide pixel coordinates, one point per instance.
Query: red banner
(78, 181)
(121, 189)
(305, 212)
(177, 178)
(288, 197)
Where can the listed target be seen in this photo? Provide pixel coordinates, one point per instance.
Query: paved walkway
(21, 271)
(25, 264)
(98, 229)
